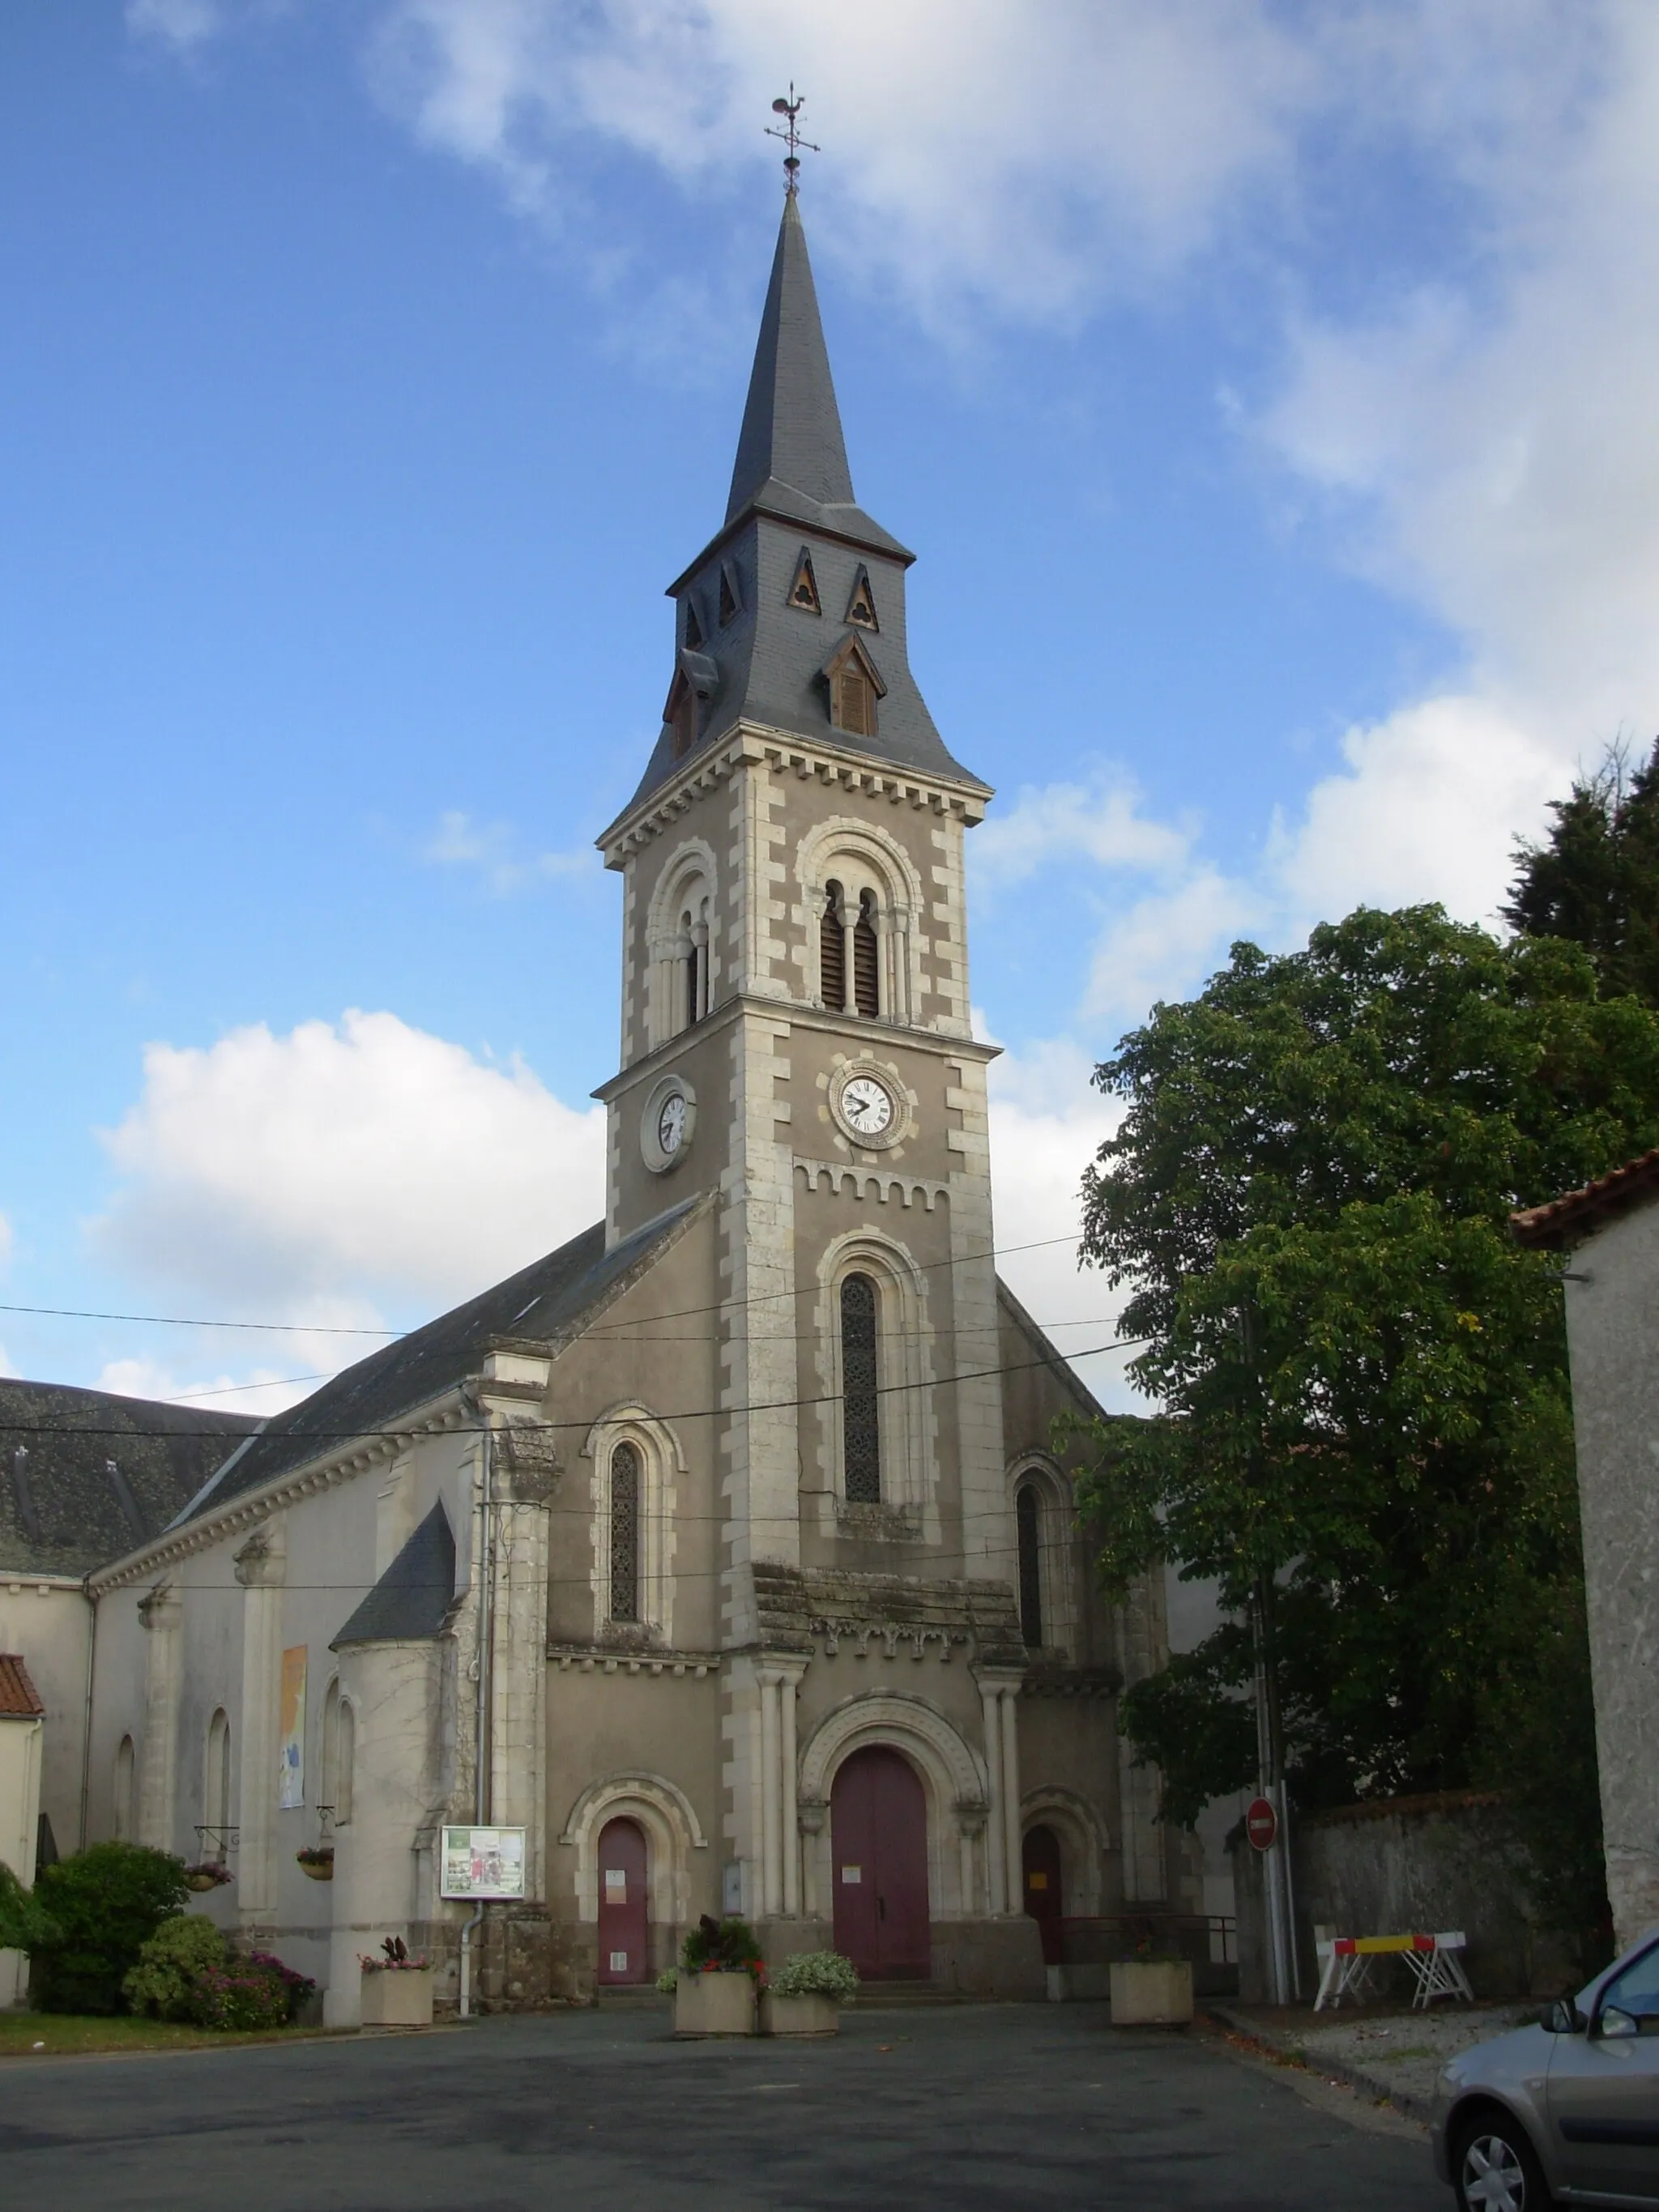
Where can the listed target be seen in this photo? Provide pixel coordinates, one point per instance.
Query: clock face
(866, 1106)
(671, 1123)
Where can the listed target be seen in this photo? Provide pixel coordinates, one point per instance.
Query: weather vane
(790, 109)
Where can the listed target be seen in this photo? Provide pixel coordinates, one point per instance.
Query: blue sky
(1265, 389)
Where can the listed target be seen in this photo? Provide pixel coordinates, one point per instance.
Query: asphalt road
(972, 2109)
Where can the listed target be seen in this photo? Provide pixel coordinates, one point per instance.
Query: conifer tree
(1595, 876)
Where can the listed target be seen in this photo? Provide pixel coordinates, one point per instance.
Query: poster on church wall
(482, 1862)
(291, 1783)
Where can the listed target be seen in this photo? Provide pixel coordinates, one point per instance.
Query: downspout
(86, 1731)
(486, 1669)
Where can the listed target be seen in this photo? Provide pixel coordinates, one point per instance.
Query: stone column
(160, 1614)
(996, 1834)
(260, 1567)
(790, 1823)
(849, 918)
(810, 1814)
(526, 1473)
(1013, 1852)
(771, 1797)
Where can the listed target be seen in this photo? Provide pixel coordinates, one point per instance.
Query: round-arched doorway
(1045, 1898)
(624, 1932)
(878, 1838)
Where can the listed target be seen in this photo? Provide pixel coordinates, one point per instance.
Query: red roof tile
(1569, 1219)
(19, 1699)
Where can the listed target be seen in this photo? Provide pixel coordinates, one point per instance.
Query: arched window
(832, 951)
(1028, 1522)
(694, 963)
(126, 1782)
(625, 1534)
(867, 959)
(860, 1405)
(215, 1794)
(339, 1752)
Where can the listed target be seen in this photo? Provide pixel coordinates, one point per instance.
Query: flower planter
(318, 1869)
(714, 2004)
(396, 1996)
(202, 1883)
(799, 2016)
(1151, 1992)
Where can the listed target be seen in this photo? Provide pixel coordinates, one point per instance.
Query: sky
(1266, 387)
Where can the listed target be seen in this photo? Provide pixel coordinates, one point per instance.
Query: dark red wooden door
(624, 1944)
(1044, 1898)
(878, 1835)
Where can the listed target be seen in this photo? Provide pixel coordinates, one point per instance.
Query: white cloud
(326, 1175)
(6, 1241)
(6, 1367)
(184, 25)
(461, 842)
(266, 1391)
(1101, 822)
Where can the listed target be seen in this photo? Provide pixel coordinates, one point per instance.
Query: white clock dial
(671, 1123)
(866, 1105)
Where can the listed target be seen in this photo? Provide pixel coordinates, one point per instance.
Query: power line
(175, 1320)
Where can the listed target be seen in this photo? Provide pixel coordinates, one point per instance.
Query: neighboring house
(723, 1551)
(1611, 1231)
(21, 1711)
(84, 1476)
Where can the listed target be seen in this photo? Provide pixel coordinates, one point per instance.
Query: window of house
(216, 1796)
(1028, 1522)
(625, 1534)
(860, 1404)
(866, 968)
(126, 1785)
(339, 1752)
(832, 951)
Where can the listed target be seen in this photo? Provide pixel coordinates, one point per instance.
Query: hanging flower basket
(317, 1862)
(201, 1879)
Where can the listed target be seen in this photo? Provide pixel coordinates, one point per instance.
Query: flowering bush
(395, 1957)
(239, 1996)
(722, 1946)
(817, 1974)
(297, 1986)
(668, 1981)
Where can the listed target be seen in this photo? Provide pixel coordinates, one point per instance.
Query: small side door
(1603, 2090)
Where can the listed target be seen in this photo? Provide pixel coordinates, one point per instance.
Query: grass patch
(57, 2033)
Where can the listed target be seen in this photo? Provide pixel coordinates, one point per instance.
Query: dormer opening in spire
(862, 607)
(804, 591)
(855, 685)
(692, 626)
(731, 605)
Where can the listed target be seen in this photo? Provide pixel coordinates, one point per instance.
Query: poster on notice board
(482, 1862)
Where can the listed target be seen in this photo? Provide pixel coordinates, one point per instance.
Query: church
(722, 1559)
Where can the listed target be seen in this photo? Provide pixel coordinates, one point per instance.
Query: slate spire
(791, 425)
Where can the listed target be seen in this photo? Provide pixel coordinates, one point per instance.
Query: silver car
(1566, 2111)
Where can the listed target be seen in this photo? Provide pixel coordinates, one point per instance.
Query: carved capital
(527, 1459)
(972, 1813)
(810, 1814)
(263, 1560)
(161, 1609)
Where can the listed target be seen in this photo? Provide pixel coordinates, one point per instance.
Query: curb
(1334, 2069)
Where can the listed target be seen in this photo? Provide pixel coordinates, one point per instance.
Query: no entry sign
(1261, 1824)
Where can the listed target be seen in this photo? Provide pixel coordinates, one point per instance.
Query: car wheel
(1495, 2168)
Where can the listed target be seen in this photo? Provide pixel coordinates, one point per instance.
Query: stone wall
(1406, 1866)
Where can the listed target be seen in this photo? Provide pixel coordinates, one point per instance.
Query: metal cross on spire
(790, 110)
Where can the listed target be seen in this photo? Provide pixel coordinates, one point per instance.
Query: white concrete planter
(799, 2016)
(396, 1996)
(1151, 1992)
(714, 2004)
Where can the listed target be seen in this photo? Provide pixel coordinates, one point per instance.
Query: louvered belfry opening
(861, 1426)
(855, 706)
(866, 989)
(625, 1534)
(832, 952)
(728, 600)
(693, 985)
(1028, 1529)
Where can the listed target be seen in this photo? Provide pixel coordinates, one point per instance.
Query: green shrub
(817, 1974)
(722, 1946)
(24, 1922)
(170, 1965)
(105, 1903)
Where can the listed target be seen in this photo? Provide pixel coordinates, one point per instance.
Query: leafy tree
(107, 1902)
(24, 1926)
(1366, 1435)
(1596, 878)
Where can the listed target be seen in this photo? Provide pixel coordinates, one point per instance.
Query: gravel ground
(1393, 2054)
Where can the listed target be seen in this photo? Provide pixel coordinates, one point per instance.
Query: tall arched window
(625, 1534)
(832, 951)
(867, 959)
(860, 1405)
(339, 1752)
(126, 1783)
(215, 1794)
(1028, 1522)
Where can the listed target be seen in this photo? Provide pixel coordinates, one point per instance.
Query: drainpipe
(86, 1732)
(481, 1723)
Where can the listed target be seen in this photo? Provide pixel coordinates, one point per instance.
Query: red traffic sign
(1261, 1824)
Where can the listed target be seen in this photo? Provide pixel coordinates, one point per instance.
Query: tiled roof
(413, 1596)
(19, 1698)
(1570, 1218)
(62, 1510)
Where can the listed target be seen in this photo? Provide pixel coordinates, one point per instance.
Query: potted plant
(316, 1861)
(1152, 1986)
(397, 1988)
(805, 1996)
(209, 1875)
(720, 1970)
